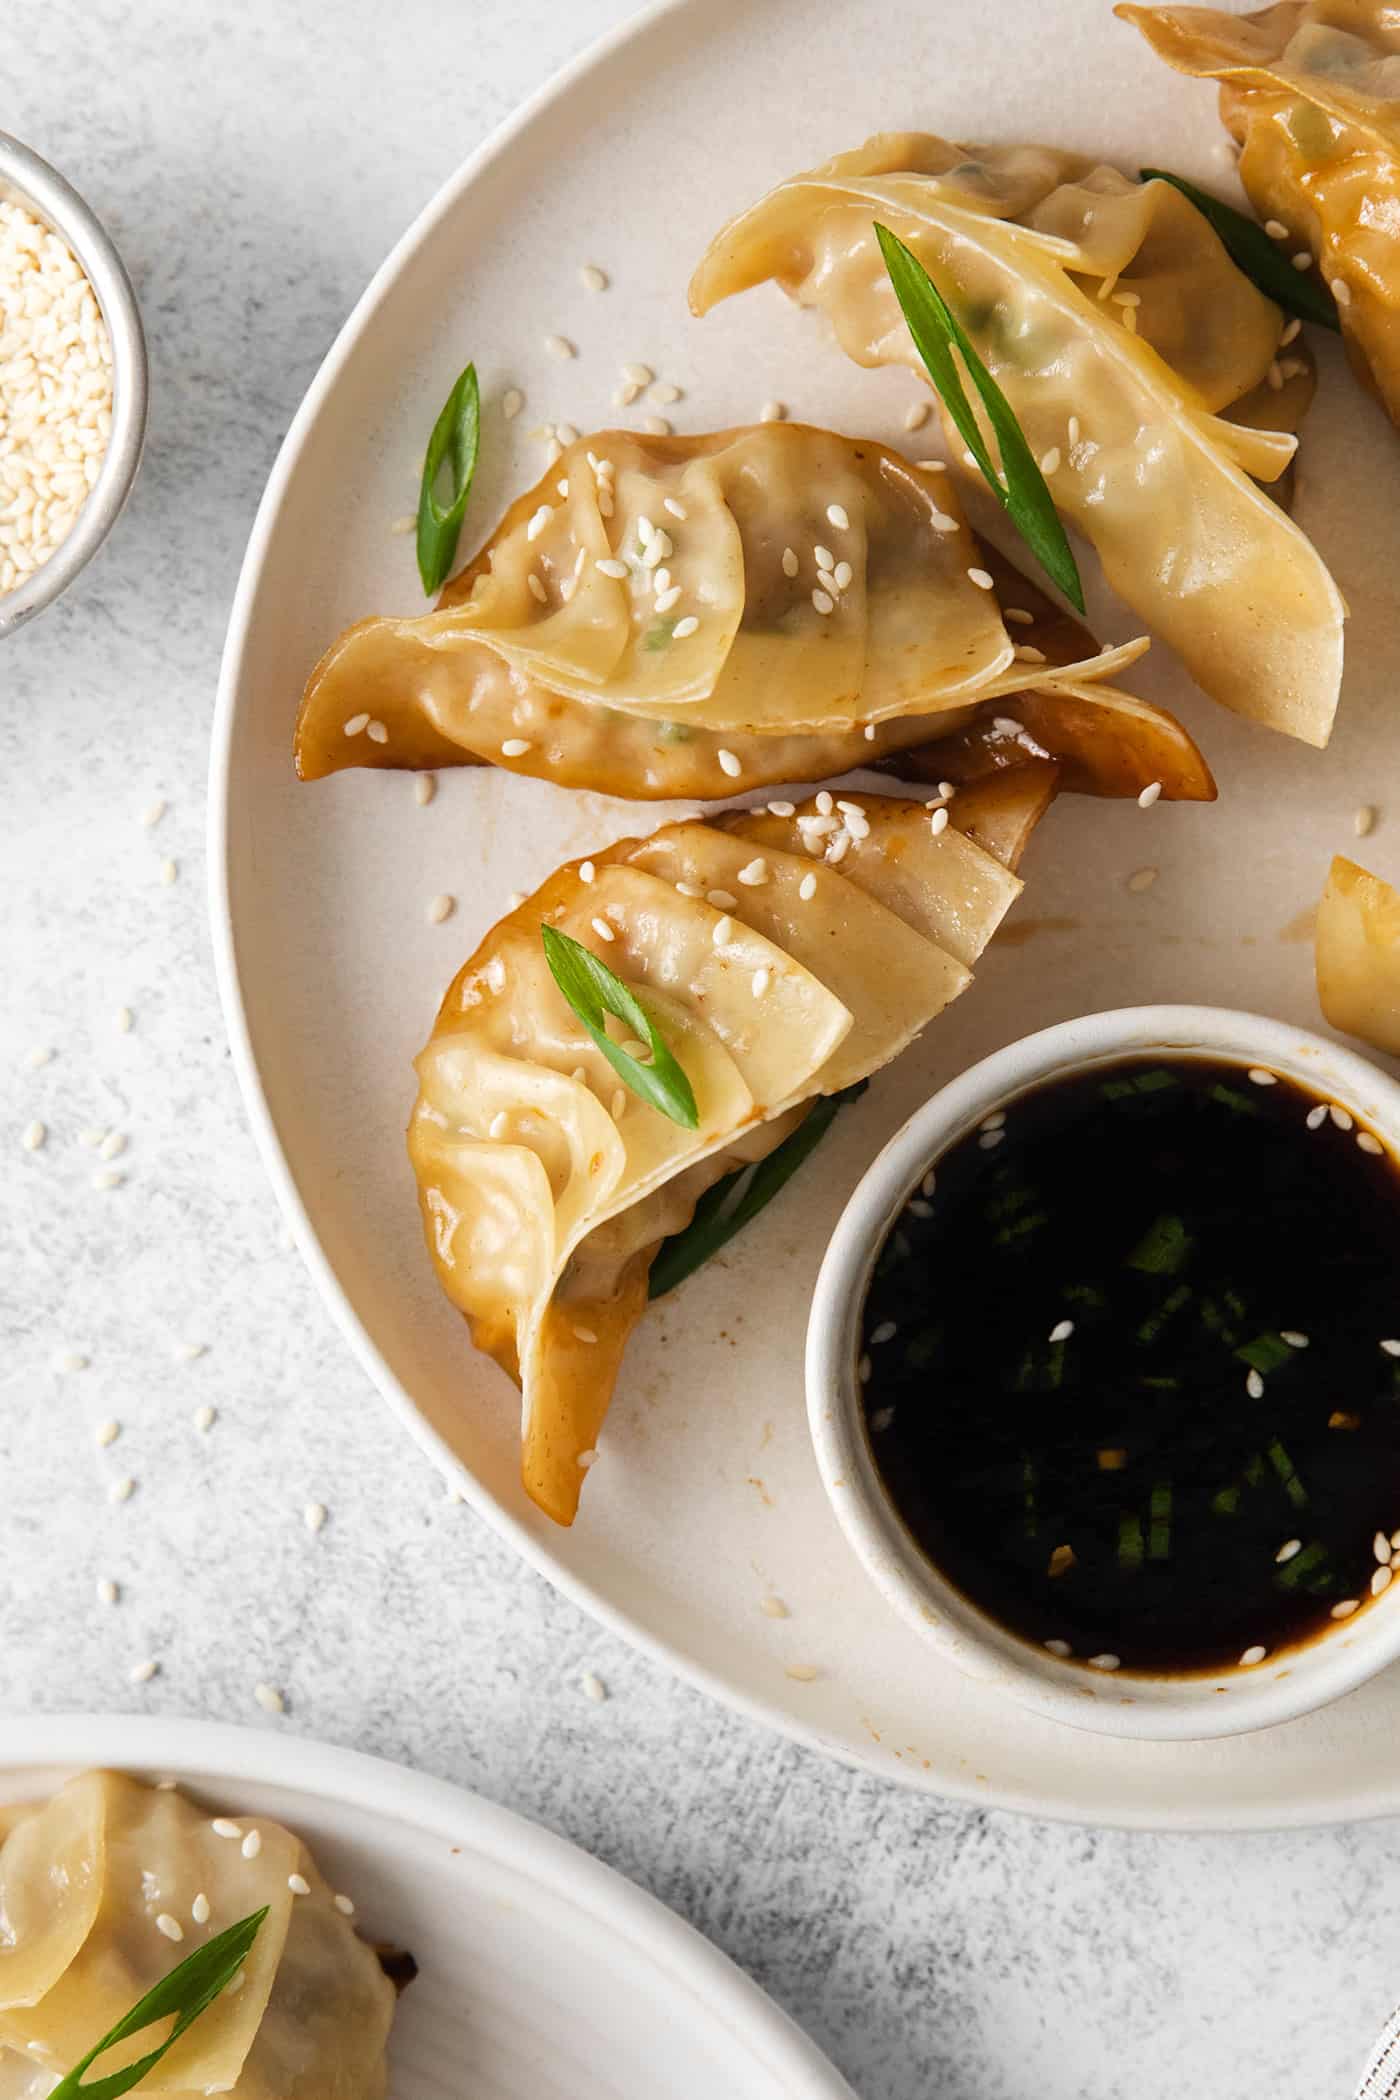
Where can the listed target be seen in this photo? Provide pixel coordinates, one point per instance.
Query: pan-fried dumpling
(1126, 342)
(83, 1880)
(1311, 91)
(786, 953)
(598, 645)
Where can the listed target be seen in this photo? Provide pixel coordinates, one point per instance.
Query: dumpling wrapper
(544, 1241)
(1038, 253)
(111, 1854)
(1357, 952)
(1312, 94)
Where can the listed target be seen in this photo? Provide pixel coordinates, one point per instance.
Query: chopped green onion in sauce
(1129, 1383)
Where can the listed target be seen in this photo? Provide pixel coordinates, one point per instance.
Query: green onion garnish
(1266, 1353)
(188, 1990)
(1303, 1565)
(1263, 262)
(717, 1218)
(1163, 1248)
(1129, 1540)
(1160, 1526)
(593, 992)
(453, 442)
(1023, 493)
(1283, 1466)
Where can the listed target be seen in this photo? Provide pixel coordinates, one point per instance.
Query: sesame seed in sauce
(1381, 1580)
(584, 1334)
(1368, 1143)
(1252, 1656)
(990, 1139)
(941, 522)
(251, 1845)
(442, 907)
(759, 984)
(1341, 291)
(603, 930)
(1381, 1547)
(515, 747)
(1018, 616)
(728, 762)
(938, 822)
(1304, 259)
(171, 1927)
(1275, 229)
(1391, 1348)
(1274, 375)
(1340, 1116)
(680, 632)
(1062, 1330)
(1316, 1117)
(1254, 1385)
(689, 889)
(982, 579)
(773, 412)
(560, 346)
(790, 562)
(1104, 1662)
(807, 888)
(1345, 1609)
(1259, 1076)
(1287, 1550)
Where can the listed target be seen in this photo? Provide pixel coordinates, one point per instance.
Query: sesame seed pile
(55, 393)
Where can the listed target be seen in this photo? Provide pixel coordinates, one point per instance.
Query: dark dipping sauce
(1131, 1369)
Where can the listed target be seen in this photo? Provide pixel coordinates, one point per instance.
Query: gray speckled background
(256, 161)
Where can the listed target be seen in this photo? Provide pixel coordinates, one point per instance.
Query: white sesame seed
(1294, 1339)
(1150, 794)
(1062, 1330)
(918, 1208)
(204, 1418)
(802, 1673)
(121, 1490)
(345, 1906)
(584, 1334)
(39, 1057)
(586, 871)
(807, 888)
(656, 426)
(869, 732)
(682, 629)
(298, 1884)
(773, 412)
(638, 375)
(1391, 1348)
(107, 1432)
(171, 1927)
(70, 1360)
(587, 1460)
(123, 1018)
(626, 394)
(721, 931)
(314, 1515)
(1252, 1656)
(782, 809)
(885, 1332)
(225, 1827)
(269, 1699)
(754, 874)
(728, 762)
(1303, 260)
(823, 602)
(1368, 1143)
(442, 907)
(938, 822)
(1381, 1547)
(1141, 879)
(355, 724)
(982, 579)
(1364, 821)
(773, 1608)
(152, 814)
(402, 526)
(759, 984)
(538, 520)
(1060, 1648)
(932, 466)
(1105, 1662)
(107, 1591)
(91, 1138)
(677, 510)
(1254, 1386)
(1291, 332)
(1340, 1116)
(142, 1672)
(929, 1182)
(970, 459)
(1275, 229)
(618, 1105)
(990, 1139)
(113, 1145)
(1341, 291)
(1346, 1608)
(592, 278)
(1381, 1580)
(603, 930)
(515, 747)
(199, 1909)
(1274, 376)
(170, 869)
(837, 515)
(942, 523)
(1025, 654)
(560, 346)
(512, 401)
(1259, 1076)
(1287, 1550)
(251, 1845)
(1316, 1117)
(33, 1136)
(537, 589)
(825, 802)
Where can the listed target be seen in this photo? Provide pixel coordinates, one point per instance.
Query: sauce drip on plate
(1131, 1366)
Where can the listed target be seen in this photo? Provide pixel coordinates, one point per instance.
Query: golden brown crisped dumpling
(1135, 356)
(1311, 90)
(667, 617)
(784, 953)
(83, 1879)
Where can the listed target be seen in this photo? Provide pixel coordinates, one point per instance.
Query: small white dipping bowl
(1123, 1702)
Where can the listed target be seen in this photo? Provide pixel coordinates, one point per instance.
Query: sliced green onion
(1129, 1540)
(1263, 261)
(593, 992)
(1163, 1248)
(1160, 1520)
(717, 1219)
(1227, 1501)
(1283, 1466)
(1230, 1097)
(188, 1990)
(1303, 1565)
(1266, 1353)
(1168, 1309)
(454, 441)
(1023, 493)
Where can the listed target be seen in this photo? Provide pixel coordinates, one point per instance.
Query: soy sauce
(1131, 1366)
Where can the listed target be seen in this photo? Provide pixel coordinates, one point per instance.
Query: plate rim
(1254, 1814)
(439, 1808)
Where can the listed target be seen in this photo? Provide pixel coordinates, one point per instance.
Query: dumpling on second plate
(1311, 90)
(1135, 356)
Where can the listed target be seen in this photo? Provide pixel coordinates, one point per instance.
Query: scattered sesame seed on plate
(1364, 821)
(142, 1672)
(251, 1845)
(512, 401)
(109, 1178)
(33, 1136)
(592, 278)
(593, 1687)
(918, 1208)
(656, 426)
(802, 1673)
(773, 412)
(91, 1138)
(560, 346)
(121, 1490)
(626, 394)
(190, 1351)
(269, 1699)
(666, 393)
(917, 415)
(152, 814)
(170, 869)
(1252, 1656)
(424, 788)
(225, 1827)
(204, 1418)
(728, 762)
(982, 578)
(442, 907)
(124, 1019)
(638, 374)
(1368, 1142)
(1141, 879)
(403, 525)
(107, 1432)
(929, 1182)
(107, 1591)
(314, 1515)
(1287, 1550)
(1150, 794)
(38, 1057)
(113, 1145)
(1254, 1385)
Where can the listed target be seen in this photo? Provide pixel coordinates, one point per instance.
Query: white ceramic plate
(707, 1499)
(542, 1975)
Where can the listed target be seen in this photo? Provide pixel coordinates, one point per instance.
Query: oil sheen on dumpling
(666, 616)
(1126, 342)
(785, 955)
(82, 1881)
(1312, 93)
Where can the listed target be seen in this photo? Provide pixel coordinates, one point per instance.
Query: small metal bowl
(26, 179)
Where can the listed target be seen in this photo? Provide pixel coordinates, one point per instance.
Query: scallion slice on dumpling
(1122, 336)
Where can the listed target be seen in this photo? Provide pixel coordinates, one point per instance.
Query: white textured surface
(255, 164)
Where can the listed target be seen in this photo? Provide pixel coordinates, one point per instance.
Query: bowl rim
(1126, 1704)
(28, 178)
